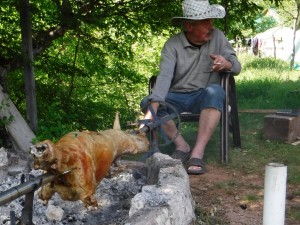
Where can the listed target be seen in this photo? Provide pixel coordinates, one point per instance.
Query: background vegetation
(93, 58)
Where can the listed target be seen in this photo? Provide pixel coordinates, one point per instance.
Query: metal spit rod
(27, 187)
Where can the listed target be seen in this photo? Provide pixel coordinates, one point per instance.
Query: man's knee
(214, 97)
(215, 91)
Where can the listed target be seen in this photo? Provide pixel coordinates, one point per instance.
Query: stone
(15, 169)
(54, 213)
(3, 164)
(169, 200)
(3, 157)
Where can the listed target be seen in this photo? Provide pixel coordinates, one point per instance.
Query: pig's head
(44, 155)
(141, 141)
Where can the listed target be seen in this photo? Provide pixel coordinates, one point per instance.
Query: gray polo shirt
(187, 68)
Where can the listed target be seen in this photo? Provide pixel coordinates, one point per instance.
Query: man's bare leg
(208, 121)
(171, 131)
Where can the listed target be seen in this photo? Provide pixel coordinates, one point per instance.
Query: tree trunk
(294, 35)
(31, 108)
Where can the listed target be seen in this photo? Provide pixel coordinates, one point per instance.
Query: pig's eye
(41, 148)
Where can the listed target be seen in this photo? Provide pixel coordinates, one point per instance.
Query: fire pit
(113, 194)
(161, 195)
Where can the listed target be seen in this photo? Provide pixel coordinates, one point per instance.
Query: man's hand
(148, 114)
(220, 63)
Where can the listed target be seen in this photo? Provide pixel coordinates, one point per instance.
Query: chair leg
(224, 121)
(234, 114)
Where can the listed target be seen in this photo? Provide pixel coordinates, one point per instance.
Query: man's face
(199, 31)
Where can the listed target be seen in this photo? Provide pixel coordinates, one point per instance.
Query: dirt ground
(231, 198)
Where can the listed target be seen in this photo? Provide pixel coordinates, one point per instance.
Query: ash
(114, 195)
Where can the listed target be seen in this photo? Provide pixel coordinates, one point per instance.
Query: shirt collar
(184, 40)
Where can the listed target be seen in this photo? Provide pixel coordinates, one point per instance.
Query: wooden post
(274, 46)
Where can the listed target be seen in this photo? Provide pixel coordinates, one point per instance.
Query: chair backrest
(151, 83)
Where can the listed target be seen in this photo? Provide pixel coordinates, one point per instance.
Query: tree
(28, 64)
(290, 11)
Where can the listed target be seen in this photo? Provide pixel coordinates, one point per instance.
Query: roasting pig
(89, 156)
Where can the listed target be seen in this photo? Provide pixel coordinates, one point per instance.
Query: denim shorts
(194, 102)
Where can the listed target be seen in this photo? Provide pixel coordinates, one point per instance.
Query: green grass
(267, 84)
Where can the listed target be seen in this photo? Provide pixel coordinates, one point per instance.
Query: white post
(274, 194)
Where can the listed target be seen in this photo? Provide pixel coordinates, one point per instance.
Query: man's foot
(183, 156)
(196, 166)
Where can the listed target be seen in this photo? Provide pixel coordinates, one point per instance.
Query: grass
(251, 198)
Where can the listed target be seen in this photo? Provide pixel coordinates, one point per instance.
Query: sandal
(183, 156)
(194, 162)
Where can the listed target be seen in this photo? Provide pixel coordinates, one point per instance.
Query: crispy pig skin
(88, 155)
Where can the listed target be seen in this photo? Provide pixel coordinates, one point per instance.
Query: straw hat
(198, 10)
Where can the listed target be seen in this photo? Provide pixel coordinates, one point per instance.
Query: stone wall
(166, 199)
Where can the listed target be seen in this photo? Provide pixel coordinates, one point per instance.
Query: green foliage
(84, 59)
(237, 24)
(266, 64)
(294, 212)
(250, 198)
(267, 83)
(288, 11)
(264, 23)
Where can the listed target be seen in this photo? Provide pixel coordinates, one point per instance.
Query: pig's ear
(117, 125)
(49, 145)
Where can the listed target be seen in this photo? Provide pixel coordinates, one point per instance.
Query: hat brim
(216, 12)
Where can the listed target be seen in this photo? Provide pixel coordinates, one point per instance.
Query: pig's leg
(46, 192)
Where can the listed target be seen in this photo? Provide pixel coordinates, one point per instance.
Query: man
(189, 77)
